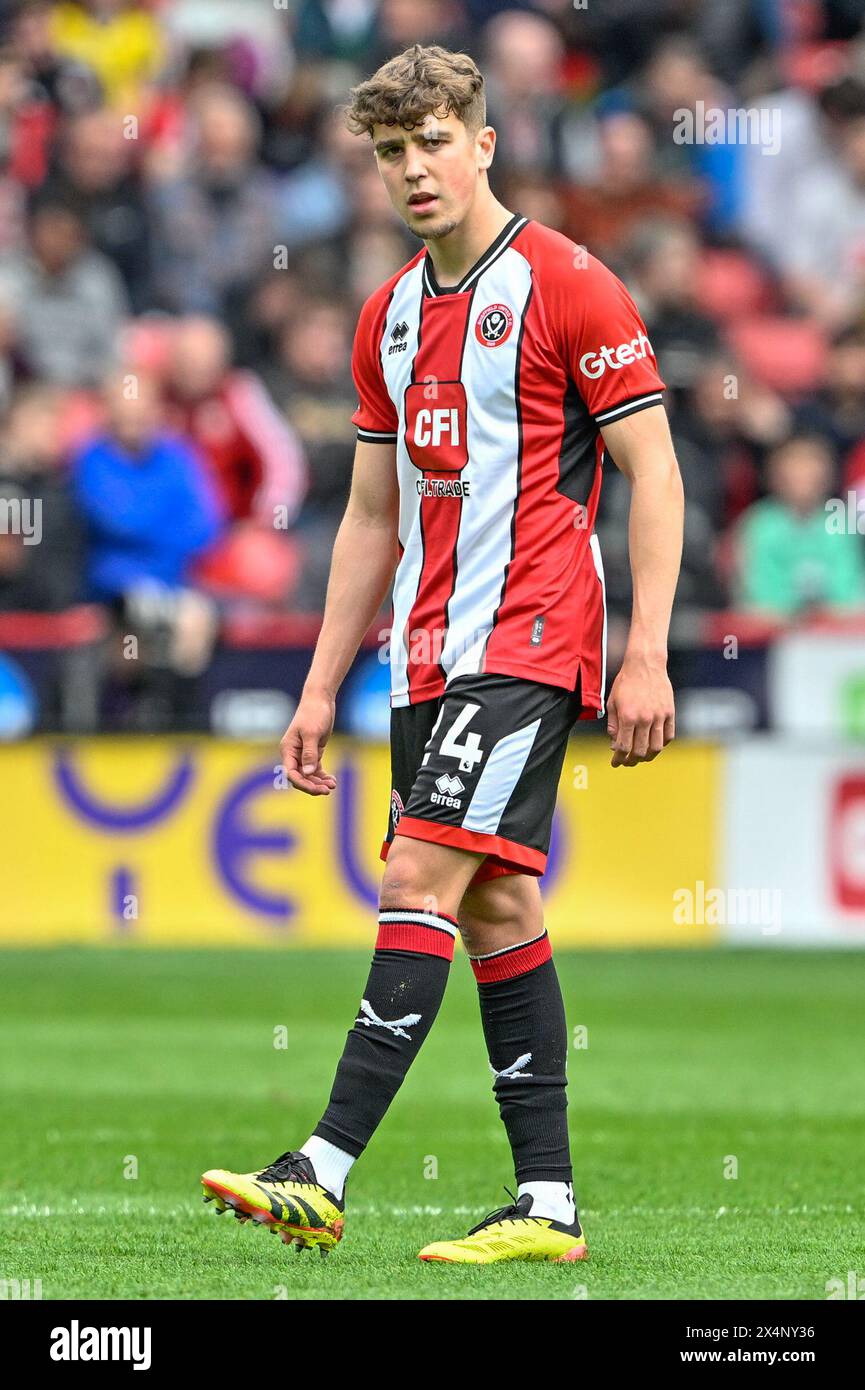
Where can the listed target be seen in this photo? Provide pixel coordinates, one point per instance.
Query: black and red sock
(406, 984)
(523, 1018)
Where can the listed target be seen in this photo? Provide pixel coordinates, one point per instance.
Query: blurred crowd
(187, 232)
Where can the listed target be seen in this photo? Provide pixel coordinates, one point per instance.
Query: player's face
(432, 173)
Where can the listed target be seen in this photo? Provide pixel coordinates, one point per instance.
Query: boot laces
(289, 1167)
(514, 1211)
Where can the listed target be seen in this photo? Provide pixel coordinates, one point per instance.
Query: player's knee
(472, 935)
(403, 883)
(499, 913)
(481, 935)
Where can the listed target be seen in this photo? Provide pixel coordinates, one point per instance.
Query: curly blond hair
(418, 82)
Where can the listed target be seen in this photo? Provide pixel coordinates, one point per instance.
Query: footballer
(495, 372)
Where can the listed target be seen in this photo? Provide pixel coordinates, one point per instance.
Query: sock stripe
(505, 950)
(512, 960)
(427, 919)
(427, 933)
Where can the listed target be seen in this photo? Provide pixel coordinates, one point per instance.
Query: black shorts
(478, 768)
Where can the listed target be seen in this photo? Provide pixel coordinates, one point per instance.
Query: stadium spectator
(400, 23)
(732, 422)
(25, 126)
(837, 410)
(118, 40)
(216, 207)
(325, 30)
(41, 562)
(525, 101)
(822, 251)
(56, 85)
(792, 559)
(65, 300)
(812, 132)
(316, 199)
(261, 314)
(95, 172)
(676, 79)
(291, 120)
(312, 382)
(253, 456)
(148, 505)
(149, 511)
(665, 257)
(624, 188)
(705, 433)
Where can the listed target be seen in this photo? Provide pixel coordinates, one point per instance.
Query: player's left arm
(640, 710)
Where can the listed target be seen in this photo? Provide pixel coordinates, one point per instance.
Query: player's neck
(454, 255)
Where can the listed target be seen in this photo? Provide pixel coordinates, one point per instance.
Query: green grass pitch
(166, 1060)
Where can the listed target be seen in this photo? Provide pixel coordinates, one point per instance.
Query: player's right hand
(303, 744)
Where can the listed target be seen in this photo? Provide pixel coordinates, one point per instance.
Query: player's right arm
(365, 556)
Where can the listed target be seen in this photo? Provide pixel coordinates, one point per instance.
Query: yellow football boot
(511, 1233)
(285, 1197)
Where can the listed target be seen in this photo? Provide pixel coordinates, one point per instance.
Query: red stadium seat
(786, 354)
(82, 415)
(854, 467)
(812, 64)
(251, 562)
(731, 286)
(751, 629)
(74, 627)
(260, 629)
(147, 343)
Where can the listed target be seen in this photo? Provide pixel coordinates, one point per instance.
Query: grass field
(169, 1058)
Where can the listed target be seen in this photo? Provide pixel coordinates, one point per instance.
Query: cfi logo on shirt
(435, 428)
(493, 326)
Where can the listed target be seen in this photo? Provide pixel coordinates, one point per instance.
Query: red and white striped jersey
(493, 392)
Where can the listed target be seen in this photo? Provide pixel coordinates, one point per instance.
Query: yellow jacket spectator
(122, 43)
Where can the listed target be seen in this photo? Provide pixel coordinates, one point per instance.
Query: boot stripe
(275, 1206)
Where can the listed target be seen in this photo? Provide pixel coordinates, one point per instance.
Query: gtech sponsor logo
(594, 364)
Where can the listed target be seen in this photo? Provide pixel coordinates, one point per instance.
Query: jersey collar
(503, 240)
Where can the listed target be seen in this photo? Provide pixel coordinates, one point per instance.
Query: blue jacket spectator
(148, 505)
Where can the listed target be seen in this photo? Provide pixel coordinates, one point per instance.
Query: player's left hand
(641, 714)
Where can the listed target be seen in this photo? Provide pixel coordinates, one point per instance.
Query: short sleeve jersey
(494, 392)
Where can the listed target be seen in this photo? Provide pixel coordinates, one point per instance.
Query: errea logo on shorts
(594, 364)
(448, 793)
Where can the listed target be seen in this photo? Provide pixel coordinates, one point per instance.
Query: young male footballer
(495, 371)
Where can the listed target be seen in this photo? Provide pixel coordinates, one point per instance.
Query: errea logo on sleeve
(594, 364)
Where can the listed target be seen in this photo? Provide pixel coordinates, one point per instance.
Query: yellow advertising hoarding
(193, 842)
